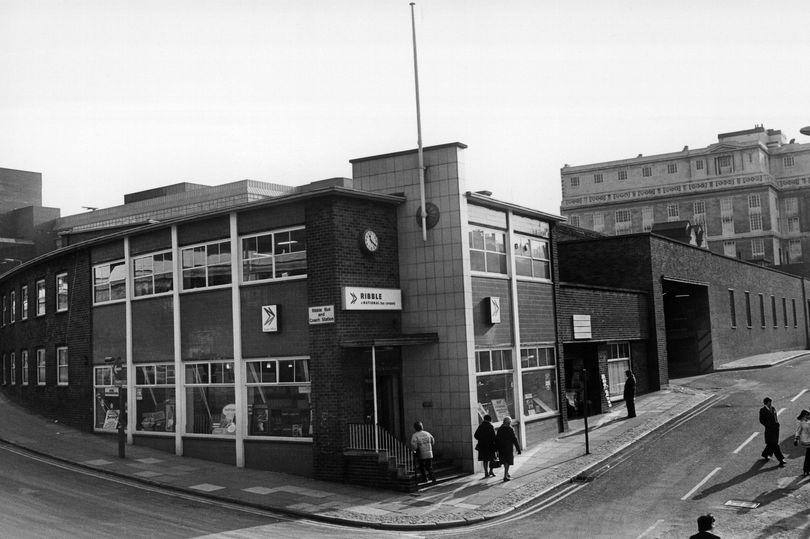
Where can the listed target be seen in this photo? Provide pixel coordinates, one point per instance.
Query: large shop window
(206, 265)
(618, 361)
(539, 371)
(531, 257)
(210, 398)
(154, 398)
(487, 251)
(109, 282)
(106, 398)
(274, 255)
(278, 397)
(495, 383)
(153, 274)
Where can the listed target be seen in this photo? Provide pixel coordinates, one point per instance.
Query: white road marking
(737, 451)
(802, 392)
(705, 479)
(651, 528)
(780, 411)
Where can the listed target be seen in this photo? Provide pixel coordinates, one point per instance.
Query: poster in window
(500, 408)
(261, 420)
(110, 421)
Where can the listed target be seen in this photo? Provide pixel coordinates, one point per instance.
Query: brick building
(749, 193)
(306, 330)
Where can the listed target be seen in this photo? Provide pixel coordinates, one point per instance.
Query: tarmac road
(660, 487)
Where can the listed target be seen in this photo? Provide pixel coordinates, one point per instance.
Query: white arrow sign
(269, 318)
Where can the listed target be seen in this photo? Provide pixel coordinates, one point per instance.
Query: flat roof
(408, 152)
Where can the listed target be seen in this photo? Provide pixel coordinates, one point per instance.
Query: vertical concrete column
(515, 308)
(240, 390)
(131, 402)
(179, 371)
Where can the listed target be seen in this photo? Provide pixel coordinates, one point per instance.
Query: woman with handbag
(802, 437)
(485, 434)
(505, 441)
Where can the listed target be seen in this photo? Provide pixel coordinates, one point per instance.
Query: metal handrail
(370, 437)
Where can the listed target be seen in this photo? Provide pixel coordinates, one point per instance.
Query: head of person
(418, 426)
(705, 523)
(804, 415)
(628, 373)
(767, 401)
(487, 418)
(507, 420)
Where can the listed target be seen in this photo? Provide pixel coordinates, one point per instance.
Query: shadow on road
(788, 524)
(757, 468)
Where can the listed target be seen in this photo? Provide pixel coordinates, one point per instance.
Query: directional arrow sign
(356, 298)
(269, 318)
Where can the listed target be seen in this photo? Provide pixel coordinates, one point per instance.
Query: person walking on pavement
(422, 444)
(802, 436)
(767, 416)
(705, 523)
(485, 434)
(630, 393)
(505, 440)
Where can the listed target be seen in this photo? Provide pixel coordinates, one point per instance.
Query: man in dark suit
(630, 393)
(767, 416)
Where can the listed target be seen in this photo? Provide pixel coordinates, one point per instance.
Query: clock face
(370, 241)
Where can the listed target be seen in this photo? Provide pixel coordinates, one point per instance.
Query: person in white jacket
(802, 437)
(422, 444)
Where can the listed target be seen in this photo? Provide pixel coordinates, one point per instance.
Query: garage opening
(688, 328)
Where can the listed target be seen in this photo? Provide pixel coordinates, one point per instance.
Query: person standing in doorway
(485, 434)
(630, 393)
(802, 437)
(422, 444)
(767, 416)
(505, 440)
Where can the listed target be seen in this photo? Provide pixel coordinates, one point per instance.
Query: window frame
(206, 266)
(598, 177)
(732, 308)
(169, 387)
(518, 242)
(108, 284)
(243, 261)
(646, 172)
(755, 221)
(62, 292)
(13, 368)
(748, 309)
(757, 247)
(42, 367)
(762, 311)
(24, 302)
(504, 255)
(621, 175)
(506, 354)
(773, 311)
(153, 276)
(42, 299)
(614, 355)
(539, 368)
(62, 366)
(304, 361)
(187, 385)
(788, 161)
(574, 182)
(24, 367)
(672, 168)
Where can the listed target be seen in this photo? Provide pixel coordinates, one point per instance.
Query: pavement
(468, 499)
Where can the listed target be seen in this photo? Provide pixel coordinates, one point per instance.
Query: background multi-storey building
(748, 192)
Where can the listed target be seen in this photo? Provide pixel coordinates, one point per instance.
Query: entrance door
(389, 404)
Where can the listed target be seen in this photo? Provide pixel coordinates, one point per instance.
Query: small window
(575, 182)
(623, 222)
(672, 168)
(13, 370)
(730, 249)
(699, 164)
(795, 251)
(647, 218)
(487, 251)
(795, 323)
(789, 161)
(622, 175)
(784, 311)
(152, 274)
(206, 265)
(109, 282)
(748, 309)
(62, 365)
(13, 306)
(532, 258)
(773, 312)
(574, 220)
(24, 303)
(62, 292)
(754, 201)
(280, 254)
(599, 222)
(646, 172)
(5, 310)
(41, 370)
(732, 311)
(597, 178)
(24, 365)
(699, 207)
(41, 297)
(761, 310)
(757, 247)
(756, 221)
(673, 213)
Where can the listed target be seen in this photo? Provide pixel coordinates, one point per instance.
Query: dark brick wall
(152, 330)
(486, 334)
(71, 404)
(615, 314)
(207, 325)
(335, 224)
(536, 311)
(293, 319)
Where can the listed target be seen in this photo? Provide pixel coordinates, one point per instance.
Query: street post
(118, 378)
(585, 399)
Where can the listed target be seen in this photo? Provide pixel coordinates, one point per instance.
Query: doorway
(688, 328)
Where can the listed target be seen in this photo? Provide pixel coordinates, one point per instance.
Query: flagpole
(419, 132)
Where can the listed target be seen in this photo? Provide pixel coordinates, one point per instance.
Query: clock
(431, 215)
(370, 242)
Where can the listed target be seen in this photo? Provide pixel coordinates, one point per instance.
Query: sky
(108, 97)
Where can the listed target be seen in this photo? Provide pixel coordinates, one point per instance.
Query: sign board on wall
(494, 305)
(269, 318)
(322, 314)
(371, 299)
(582, 326)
